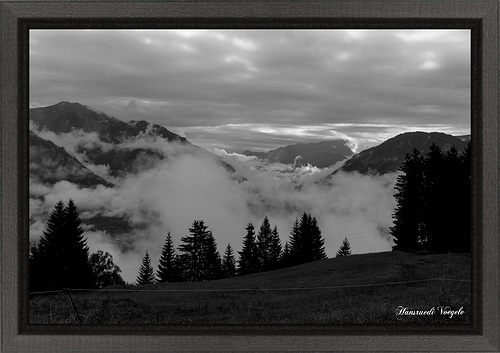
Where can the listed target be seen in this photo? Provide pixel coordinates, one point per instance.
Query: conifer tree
(228, 263)
(167, 268)
(211, 264)
(274, 249)
(146, 272)
(61, 258)
(79, 270)
(249, 258)
(295, 243)
(264, 245)
(345, 249)
(409, 229)
(316, 240)
(199, 257)
(435, 199)
(286, 260)
(191, 250)
(306, 241)
(433, 202)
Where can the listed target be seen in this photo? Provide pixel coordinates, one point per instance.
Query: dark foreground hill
(358, 289)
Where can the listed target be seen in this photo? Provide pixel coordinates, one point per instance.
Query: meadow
(356, 289)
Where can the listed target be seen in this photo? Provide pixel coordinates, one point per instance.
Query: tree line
(433, 195)
(198, 259)
(61, 258)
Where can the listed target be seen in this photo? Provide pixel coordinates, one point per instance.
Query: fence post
(66, 290)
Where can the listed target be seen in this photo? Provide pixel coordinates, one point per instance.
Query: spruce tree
(167, 268)
(191, 250)
(249, 258)
(211, 264)
(345, 249)
(274, 250)
(61, 258)
(199, 258)
(317, 243)
(295, 243)
(79, 270)
(433, 202)
(146, 272)
(435, 187)
(286, 259)
(409, 229)
(228, 263)
(306, 241)
(264, 245)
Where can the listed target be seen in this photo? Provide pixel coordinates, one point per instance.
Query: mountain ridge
(320, 154)
(388, 156)
(50, 163)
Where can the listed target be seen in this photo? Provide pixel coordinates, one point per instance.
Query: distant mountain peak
(64, 117)
(320, 154)
(388, 156)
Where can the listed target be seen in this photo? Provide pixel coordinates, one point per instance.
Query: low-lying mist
(192, 186)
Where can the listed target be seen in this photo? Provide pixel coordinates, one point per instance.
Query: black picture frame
(18, 17)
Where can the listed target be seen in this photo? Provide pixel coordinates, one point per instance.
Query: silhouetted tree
(433, 202)
(168, 267)
(199, 258)
(286, 258)
(409, 220)
(345, 249)
(264, 244)
(306, 241)
(211, 264)
(274, 250)
(61, 258)
(249, 258)
(146, 272)
(228, 263)
(106, 273)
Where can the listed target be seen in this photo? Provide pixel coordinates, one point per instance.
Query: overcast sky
(258, 89)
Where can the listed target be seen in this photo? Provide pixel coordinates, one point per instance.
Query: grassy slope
(364, 305)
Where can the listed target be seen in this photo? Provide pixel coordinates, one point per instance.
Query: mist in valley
(190, 184)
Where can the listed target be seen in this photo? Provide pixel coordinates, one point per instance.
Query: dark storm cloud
(212, 84)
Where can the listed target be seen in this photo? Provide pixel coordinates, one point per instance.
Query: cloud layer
(260, 89)
(189, 187)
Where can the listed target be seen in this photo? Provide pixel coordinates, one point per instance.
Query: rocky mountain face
(322, 154)
(49, 163)
(388, 156)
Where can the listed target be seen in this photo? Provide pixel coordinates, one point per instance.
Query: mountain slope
(124, 147)
(65, 117)
(388, 156)
(321, 154)
(50, 163)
